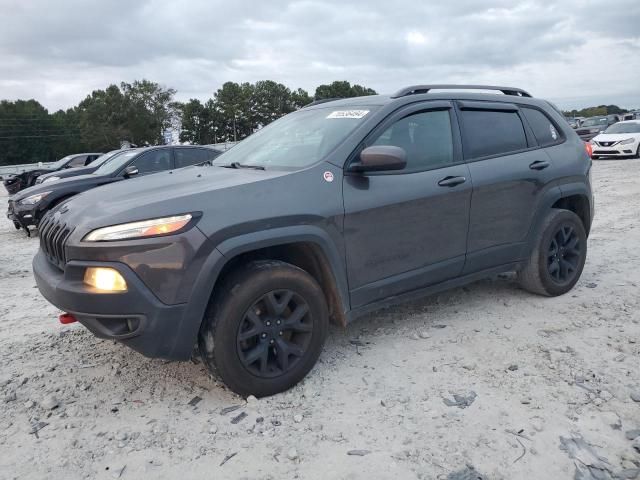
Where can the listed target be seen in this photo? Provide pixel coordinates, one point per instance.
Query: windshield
(296, 140)
(594, 122)
(60, 163)
(104, 158)
(116, 163)
(632, 127)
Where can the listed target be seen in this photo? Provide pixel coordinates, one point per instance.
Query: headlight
(627, 141)
(50, 179)
(33, 199)
(144, 228)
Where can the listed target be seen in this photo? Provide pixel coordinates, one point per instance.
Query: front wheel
(265, 328)
(558, 256)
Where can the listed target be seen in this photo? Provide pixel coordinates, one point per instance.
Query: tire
(264, 328)
(637, 152)
(558, 256)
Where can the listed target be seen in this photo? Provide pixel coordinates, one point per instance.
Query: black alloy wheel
(564, 254)
(275, 333)
(264, 328)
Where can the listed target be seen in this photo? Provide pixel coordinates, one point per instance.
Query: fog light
(106, 279)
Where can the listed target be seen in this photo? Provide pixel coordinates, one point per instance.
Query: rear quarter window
(489, 132)
(545, 131)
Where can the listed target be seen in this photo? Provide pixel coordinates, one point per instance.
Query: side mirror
(130, 171)
(378, 158)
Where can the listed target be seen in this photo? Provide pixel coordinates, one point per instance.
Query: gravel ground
(544, 387)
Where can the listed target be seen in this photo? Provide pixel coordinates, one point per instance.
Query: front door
(408, 229)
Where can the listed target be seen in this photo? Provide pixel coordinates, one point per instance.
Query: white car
(621, 139)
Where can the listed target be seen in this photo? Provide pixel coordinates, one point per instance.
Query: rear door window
(489, 132)
(544, 129)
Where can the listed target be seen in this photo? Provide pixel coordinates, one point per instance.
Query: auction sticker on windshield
(348, 114)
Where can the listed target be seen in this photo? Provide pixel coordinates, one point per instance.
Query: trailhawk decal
(348, 114)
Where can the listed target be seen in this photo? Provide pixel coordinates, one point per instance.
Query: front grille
(606, 144)
(605, 152)
(53, 238)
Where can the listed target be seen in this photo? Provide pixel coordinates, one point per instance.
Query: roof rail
(416, 89)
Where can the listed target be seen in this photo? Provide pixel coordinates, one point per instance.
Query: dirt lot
(545, 373)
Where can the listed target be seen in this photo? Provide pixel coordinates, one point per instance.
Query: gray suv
(330, 212)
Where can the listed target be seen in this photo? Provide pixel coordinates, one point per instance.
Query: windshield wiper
(242, 165)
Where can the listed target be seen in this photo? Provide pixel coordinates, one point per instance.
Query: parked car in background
(28, 178)
(28, 206)
(326, 214)
(592, 126)
(74, 172)
(573, 122)
(619, 140)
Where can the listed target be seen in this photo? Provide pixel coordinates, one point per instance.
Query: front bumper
(616, 150)
(137, 318)
(23, 215)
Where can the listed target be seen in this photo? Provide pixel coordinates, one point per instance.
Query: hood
(615, 137)
(69, 172)
(80, 183)
(161, 194)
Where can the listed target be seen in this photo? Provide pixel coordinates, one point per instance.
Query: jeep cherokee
(332, 211)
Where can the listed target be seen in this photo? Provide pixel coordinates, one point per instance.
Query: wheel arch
(577, 198)
(572, 197)
(307, 247)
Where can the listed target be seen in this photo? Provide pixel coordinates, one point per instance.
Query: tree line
(144, 112)
(596, 111)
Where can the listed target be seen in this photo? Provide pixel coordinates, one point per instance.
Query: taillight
(589, 148)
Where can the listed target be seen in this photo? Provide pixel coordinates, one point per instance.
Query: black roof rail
(322, 100)
(416, 89)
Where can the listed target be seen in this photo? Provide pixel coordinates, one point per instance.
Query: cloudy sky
(575, 52)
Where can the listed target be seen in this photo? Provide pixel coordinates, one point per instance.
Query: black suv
(593, 126)
(28, 206)
(332, 211)
(28, 177)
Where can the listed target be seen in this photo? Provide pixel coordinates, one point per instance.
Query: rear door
(407, 229)
(509, 173)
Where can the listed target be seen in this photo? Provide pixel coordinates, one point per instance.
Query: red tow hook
(67, 318)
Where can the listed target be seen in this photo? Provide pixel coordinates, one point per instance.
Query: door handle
(539, 165)
(451, 181)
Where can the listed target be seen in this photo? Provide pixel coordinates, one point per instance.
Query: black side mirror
(130, 171)
(378, 158)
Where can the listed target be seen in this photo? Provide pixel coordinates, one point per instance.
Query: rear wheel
(265, 328)
(557, 259)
